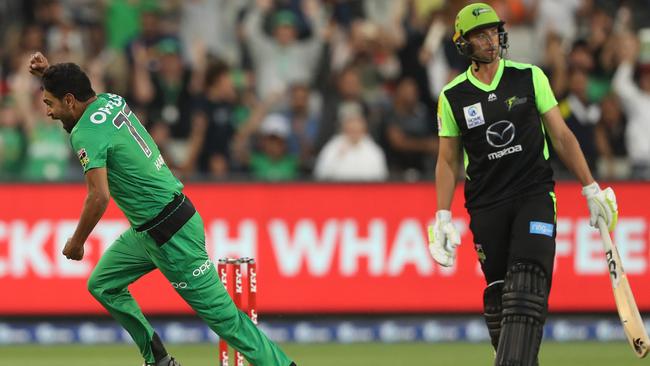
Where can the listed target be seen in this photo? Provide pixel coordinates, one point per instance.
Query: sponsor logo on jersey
(205, 266)
(474, 115)
(504, 152)
(500, 134)
(83, 157)
(492, 97)
(515, 101)
(542, 228)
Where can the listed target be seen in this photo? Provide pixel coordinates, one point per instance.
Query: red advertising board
(320, 248)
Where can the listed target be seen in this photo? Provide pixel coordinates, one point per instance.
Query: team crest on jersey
(515, 101)
(83, 157)
(474, 115)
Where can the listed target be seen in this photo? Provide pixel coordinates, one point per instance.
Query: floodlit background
(305, 134)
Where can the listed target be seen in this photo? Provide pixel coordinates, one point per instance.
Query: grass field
(373, 354)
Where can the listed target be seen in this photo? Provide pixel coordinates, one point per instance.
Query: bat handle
(604, 234)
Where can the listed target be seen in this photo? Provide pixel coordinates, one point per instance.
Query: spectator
(12, 142)
(64, 37)
(412, 65)
(213, 124)
(347, 89)
(351, 155)
(283, 60)
(47, 152)
(635, 98)
(270, 159)
(557, 16)
(345, 12)
(32, 38)
(438, 53)
(371, 49)
(273, 162)
(610, 140)
(166, 92)
(215, 23)
(555, 64)
(600, 29)
(125, 20)
(410, 133)
(303, 117)
(148, 31)
(581, 114)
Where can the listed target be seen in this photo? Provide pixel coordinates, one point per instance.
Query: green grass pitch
(370, 354)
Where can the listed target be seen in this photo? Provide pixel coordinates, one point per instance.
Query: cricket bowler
(121, 160)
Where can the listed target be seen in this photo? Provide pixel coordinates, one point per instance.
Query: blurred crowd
(333, 90)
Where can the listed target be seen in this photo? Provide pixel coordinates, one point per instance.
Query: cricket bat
(625, 304)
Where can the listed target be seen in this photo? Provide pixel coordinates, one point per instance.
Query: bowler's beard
(68, 123)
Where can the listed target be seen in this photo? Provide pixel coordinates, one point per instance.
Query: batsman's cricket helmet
(474, 17)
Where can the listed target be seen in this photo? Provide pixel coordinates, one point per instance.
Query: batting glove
(602, 203)
(443, 239)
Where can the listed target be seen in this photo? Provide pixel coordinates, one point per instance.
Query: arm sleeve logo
(83, 157)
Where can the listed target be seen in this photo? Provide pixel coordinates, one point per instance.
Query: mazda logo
(500, 134)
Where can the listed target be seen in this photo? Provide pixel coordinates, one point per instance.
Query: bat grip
(604, 234)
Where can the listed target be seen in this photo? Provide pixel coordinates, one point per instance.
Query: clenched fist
(37, 64)
(73, 250)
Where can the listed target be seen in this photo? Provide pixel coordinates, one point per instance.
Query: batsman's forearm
(93, 210)
(445, 184)
(568, 149)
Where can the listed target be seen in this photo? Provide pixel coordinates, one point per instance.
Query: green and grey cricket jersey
(503, 138)
(110, 135)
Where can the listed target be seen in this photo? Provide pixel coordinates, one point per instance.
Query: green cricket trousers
(183, 260)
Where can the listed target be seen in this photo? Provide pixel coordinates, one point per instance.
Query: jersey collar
(495, 81)
(86, 113)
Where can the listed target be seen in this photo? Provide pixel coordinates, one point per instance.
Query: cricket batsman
(120, 159)
(498, 113)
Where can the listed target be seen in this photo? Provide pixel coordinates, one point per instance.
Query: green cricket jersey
(109, 135)
(503, 138)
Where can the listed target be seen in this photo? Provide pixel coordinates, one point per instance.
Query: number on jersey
(122, 119)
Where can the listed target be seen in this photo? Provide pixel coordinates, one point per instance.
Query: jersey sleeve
(447, 126)
(544, 97)
(91, 148)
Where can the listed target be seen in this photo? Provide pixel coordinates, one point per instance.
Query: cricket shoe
(166, 361)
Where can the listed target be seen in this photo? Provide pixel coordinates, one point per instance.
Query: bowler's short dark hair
(61, 79)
